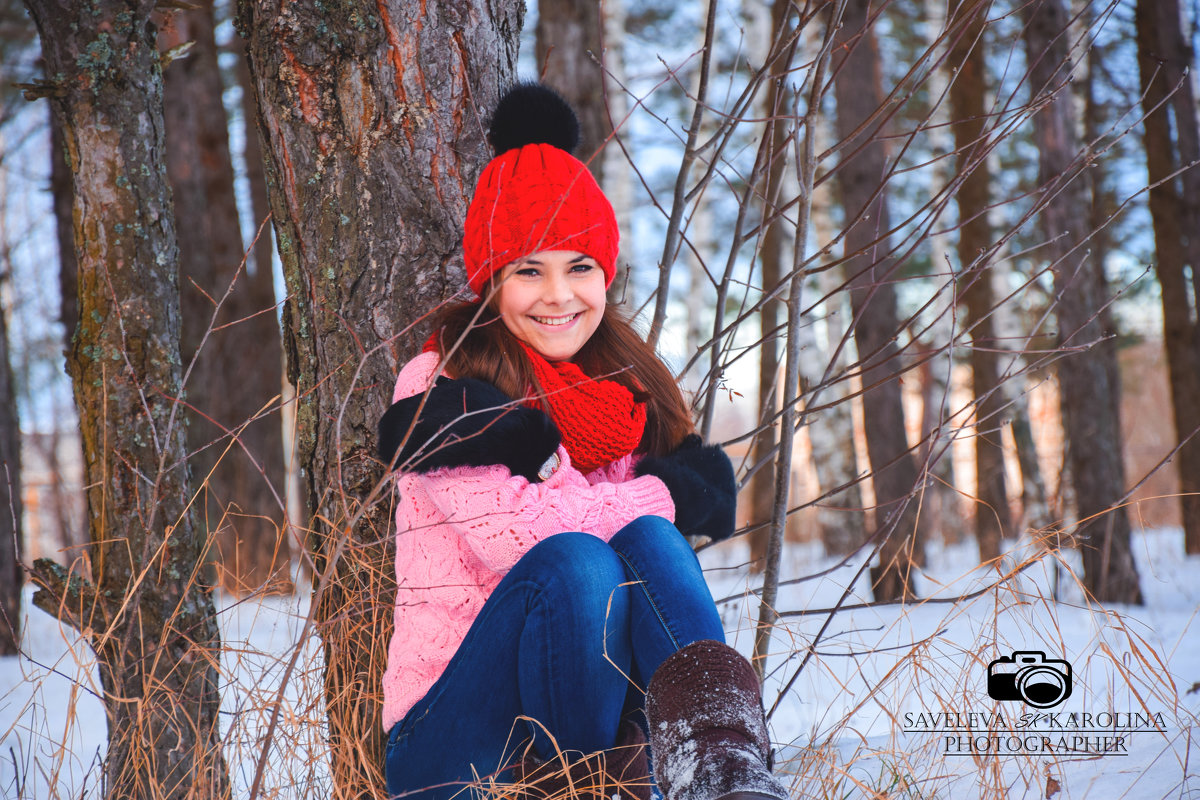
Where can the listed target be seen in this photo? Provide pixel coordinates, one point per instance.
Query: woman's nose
(557, 290)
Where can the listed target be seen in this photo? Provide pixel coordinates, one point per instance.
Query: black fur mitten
(467, 423)
(702, 485)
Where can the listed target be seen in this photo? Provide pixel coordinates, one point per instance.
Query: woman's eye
(527, 272)
(583, 267)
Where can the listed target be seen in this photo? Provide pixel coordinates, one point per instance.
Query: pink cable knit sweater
(458, 531)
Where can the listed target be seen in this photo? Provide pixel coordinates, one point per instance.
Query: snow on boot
(622, 772)
(708, 733)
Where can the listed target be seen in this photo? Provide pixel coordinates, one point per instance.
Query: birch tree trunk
(940, 501)
(372, 118)
(1036, 514)
(147, 610)
(1090, 416)
(840, 518)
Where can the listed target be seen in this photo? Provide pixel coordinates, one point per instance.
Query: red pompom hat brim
(535, 198)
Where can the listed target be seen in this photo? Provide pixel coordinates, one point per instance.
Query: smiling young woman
(549, 611)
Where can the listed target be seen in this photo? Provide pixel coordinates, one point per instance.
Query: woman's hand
(702, 485)
(466, 423)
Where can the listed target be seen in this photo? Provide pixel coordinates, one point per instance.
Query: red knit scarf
(599, 419)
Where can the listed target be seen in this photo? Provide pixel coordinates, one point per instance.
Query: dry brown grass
(880, 663)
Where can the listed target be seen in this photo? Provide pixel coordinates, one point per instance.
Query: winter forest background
(927, 269)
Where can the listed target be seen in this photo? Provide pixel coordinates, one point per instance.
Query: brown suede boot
(622, 772)
(708, 733)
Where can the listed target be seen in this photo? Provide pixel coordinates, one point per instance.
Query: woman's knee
(580, 585)
(577, 560)
(652, 534)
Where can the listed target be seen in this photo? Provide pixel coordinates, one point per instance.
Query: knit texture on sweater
(459, 530)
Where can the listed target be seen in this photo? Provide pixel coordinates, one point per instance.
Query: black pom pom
(530, 113)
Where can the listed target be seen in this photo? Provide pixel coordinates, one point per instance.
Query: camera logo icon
(1029, 676)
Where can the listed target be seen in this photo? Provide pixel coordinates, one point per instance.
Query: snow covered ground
(849, 720)
(880, 708)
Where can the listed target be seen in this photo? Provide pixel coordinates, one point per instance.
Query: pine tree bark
(12, 576)
(1168, 97)
(860, 175)
(370, 118)
(236, 449)
(968, 93)
(148, 611)
(1090, 416)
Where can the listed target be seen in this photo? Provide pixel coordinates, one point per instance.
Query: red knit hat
(534, 195)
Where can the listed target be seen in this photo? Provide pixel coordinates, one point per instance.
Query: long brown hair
(488, 351)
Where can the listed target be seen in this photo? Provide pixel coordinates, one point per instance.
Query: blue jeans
(561, 650)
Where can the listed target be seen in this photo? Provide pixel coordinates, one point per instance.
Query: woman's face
(553, 301)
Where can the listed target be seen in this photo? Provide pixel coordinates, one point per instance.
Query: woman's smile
(556, 321)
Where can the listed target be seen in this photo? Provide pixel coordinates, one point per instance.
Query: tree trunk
(372, 121)
(62, 194)
(840, 518)
(940, 502)
(699, 312)
(1103, 203)
(968, 93)
(860, 177)
(230, 384)
(618, 174)
(149, 614)
(261, 262)
(261, 269)
(939, 506)
(1035, 507)
(1090, 418)
(568, 56)
(771, 261)
(1036, 514)
(1164, 63)
(12, 577)
(762, 483)
(72, 533)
